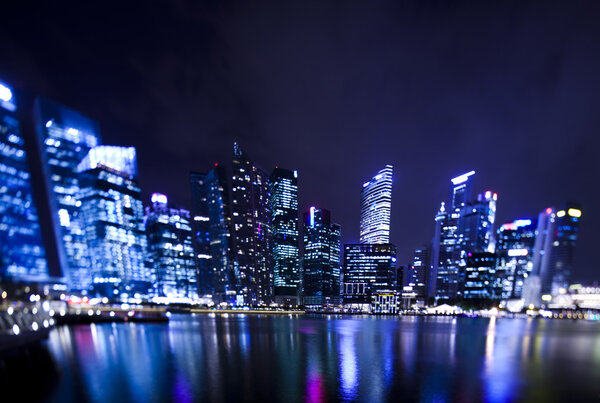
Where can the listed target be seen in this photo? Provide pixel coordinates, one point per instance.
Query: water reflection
(314, 358)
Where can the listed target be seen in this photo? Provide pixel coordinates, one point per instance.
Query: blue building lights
(22, 253)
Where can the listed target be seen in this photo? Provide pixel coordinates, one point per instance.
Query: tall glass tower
(212, 235)
(64, 138)
(321, 262)
(251, 219)
(515, 249)
(112, 213)
(376, 208)
(283, 185)
(449, 255)
(22, 253)
(170, 251)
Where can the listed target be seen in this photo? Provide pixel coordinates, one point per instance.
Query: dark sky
(337, 90)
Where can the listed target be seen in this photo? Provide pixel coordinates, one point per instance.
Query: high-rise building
(376, 208)
(514, 248)
(22, 252)
(251, 218)
(321, 258)
(63, 138)
(480, 277)
(418, 273)
(170, 250)
(554, 250)
(212, 235)
(368, 268)
(476, 223)
(112, 214)
(283, 186)
(449, 255)
(563, 248)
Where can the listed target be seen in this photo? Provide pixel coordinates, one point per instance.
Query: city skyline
(516, 132)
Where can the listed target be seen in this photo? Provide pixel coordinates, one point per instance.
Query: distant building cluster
(72, 219)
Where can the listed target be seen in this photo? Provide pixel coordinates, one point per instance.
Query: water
(317, 358)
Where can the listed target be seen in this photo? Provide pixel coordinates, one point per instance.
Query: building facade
(283, 189)
(480, 277)
(515, 248)
(251, 218)
(22, 252)
(368, 268)
(170, 251)
(418, 273)
(63, 138)
(376, 208)
(212, 235)
(111, 210)
(321, 258)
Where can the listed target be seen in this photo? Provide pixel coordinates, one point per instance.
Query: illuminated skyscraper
(476, 223)
(554, 251)
(376, 208)
(111, 210)
(212, 228)
(480, 277)
(283, 185)
(563, 248)
(514, 248)
(251, 218)
(170, 250)
(417, 275)
(321, 259)
(368, 269)
(22, 253)
(448, 257)
(64, 137)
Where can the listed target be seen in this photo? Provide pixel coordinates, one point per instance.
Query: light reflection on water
(316, 358)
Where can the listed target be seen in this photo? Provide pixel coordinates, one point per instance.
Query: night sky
(337, 90)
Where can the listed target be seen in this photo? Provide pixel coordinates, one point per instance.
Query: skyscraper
(212, 229)
(448, 257)
(22, 253)
(251, 229)
(111, 210)
(368, 268)
(283, 186)
(170, 250)
(515, 249)
(480, 277)
(376, 208)
(476, 223)
(418, 272)
(555, 247)
(63, 138)
(321, 258)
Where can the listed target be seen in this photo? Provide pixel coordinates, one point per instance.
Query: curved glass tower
(376, 208)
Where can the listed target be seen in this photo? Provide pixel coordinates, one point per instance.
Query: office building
(368, 268)
(376, 208)
(62, 138)
(514, 248)
(283, 186)
(112, 214)
(476, 223)
(448, 253)
(22, 252)
(212, 235)
(480, 277)
(418, 273)
(321, 259)
(561, 261)
(170, 251)
(251, 220)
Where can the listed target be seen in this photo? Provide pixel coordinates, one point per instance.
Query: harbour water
(287, 358)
